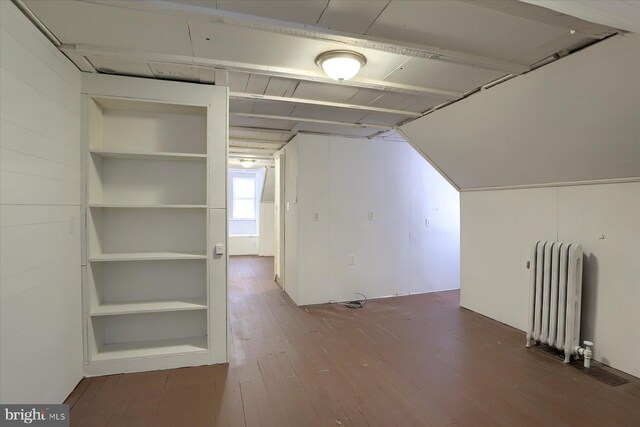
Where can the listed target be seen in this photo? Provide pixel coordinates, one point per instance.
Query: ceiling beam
(266, 151)
(245, 142)
(308, 120)
(256, 97)
(261, 130)
(293, 29)
(37, 22)
(264, 70)
(251, 156)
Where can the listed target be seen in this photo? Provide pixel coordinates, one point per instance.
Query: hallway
(404, 361)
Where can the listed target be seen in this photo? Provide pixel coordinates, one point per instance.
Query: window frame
(245, 176)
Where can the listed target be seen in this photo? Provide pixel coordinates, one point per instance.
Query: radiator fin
(554, 295)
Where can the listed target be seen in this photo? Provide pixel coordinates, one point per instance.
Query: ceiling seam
(193, 53)
(326, 6)
(397, 68)
(376, 18)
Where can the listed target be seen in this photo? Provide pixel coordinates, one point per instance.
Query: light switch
(316, 216)
(352, 259)
(427, 223)
(288, 207)
(219, 249)
(371, 216)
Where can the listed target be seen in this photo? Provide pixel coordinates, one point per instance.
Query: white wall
(574, 120)
(243, 245)
(435, 250)
(267, 232)
(332, 184)
(290, 210)
(40, 305)
(499, 229)
(268, 190)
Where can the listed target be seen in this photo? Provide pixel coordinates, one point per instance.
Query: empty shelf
(151, 348)
(113, 309)
(147, 256)
(150, 155)
(160, 206)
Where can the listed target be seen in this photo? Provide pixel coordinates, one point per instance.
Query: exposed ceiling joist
(245, 142)
(261, 130)
(265, 70)
(251, 156)
(311, 32)
(256, 97)
(265, 151)
(308, 120)
(37, 22)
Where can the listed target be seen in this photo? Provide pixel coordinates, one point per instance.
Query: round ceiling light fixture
(341, 65)
(246, 163)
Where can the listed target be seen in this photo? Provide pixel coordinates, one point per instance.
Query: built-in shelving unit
(112, 205)
(151, 348)
(114, 309)
(148, 155)
(147, 234)
(146, 256)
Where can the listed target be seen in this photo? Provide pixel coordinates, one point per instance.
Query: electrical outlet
(427, 222)
(352, 259)
(371, 216)
(316, 216)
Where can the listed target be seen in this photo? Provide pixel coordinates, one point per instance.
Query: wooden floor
(405, 361)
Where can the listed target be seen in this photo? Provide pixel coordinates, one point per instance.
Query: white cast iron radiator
(555, 293)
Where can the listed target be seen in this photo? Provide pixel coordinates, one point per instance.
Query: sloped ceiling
(577, 119)
(623, 14)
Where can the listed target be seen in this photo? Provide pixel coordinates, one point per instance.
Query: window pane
(244, 188)
(244, 209)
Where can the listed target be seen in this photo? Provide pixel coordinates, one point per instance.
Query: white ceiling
(575, 120)
(623, 14)
(420, 54)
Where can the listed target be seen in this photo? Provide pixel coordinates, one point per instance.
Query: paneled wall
(570, 122)
(498, 229)
(366, 217)
(40, 299)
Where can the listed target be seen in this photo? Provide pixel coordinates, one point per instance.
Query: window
(244, 198)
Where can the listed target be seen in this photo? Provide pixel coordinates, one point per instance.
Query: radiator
(555, 292)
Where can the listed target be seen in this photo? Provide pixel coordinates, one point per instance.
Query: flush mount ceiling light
(341, 65)
(246, 163)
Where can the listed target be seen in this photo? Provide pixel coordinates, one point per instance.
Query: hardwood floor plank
(417, 360)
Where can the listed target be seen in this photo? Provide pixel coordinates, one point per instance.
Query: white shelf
(149, 155)
(151, 348)
(149, 307)
(159, 206)
(147, 184)
(147, 256)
